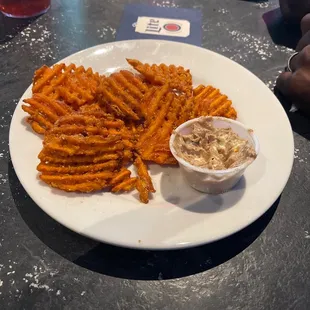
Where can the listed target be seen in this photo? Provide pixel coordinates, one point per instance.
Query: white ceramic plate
(177, 216)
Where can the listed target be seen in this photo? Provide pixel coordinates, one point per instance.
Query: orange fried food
(44, 112)
(96, 126)
(122, 182)
(74, 85)
(144, 183)
(178, 78)
(166, 110)
(209, 101)
(125, 186)
(158, 149)
(153, 102)
(121, 94)
(163, 113)
(84, 152)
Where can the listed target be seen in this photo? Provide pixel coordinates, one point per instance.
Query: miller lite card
(160, 23)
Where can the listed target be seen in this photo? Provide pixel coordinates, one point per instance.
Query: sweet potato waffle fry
(153, 144)
(58, 91)
(44, 112)
(144, 183)
(74, 85)
(178, 78)
(83, 152)
(209, 101)
(96, 126)
(159, 112)
(165, 111)
(121, 94)
(122, 182)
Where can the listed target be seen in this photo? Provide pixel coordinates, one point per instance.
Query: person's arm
(295, 85)
(294, 10)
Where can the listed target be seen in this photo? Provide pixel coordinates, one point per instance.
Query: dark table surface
(43, 265)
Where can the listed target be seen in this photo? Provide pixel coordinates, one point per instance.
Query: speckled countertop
(43, 265)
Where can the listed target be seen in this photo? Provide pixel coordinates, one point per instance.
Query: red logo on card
(172, 27)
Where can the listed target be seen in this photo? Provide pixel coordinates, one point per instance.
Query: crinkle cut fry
(135, 82)
(59, 107)
(171, 119)
(232, 113)
(57, 142)
(177, 77)
(144, 183)
(159, 129)
(36, 126)
(131, 83)
(43, 109)
(155, 111)
(146, 101)
(49, 87)
(36, 120)
(158, 121)
(72, 95)
(73, 169)
(91, 131)
(50, 158)
(209, 101)
(151, 107)
(181, 79)
(76, 86)
(127, 156)
(45, 74)
(200, 93)
(98, 123)
(112, 101)
(121, 176)
(161, 158)
(84, 162)
(162, 135)
(124, 93)
(198, 89)
(85, 187)
(70, 150)
(44, 112)
(88, 81)
(89, 120)
(80, 87)
(151, 74)
(125, 186)
(143, 173)
(80, 140)
(77, 178)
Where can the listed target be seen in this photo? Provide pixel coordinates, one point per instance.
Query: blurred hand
(294, 10)
(296, 85)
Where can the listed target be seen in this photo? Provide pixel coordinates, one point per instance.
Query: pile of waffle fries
(95, 126)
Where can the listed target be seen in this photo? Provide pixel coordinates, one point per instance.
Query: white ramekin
(214, 181)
